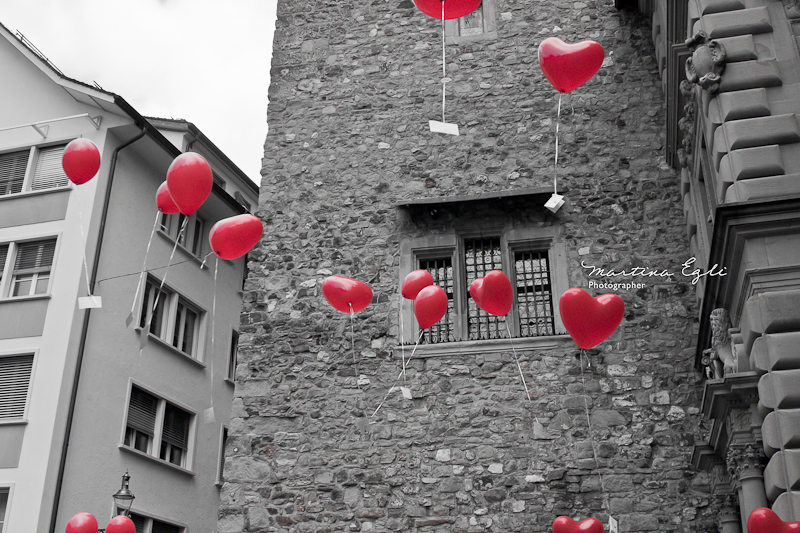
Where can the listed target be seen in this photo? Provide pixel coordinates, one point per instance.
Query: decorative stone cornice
(792, 8)
(746, 462)
(707, 63)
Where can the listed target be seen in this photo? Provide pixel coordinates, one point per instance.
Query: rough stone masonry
(354, 84)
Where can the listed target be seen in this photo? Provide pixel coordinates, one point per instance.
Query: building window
(4, 497)
(145, 524)
(221, 468)
(478, 25)
(154, 420)
(193, 236)
(172, 318)
(32, 169)
(536, 267)
(15, 380)
(233, 356)
(32, 264)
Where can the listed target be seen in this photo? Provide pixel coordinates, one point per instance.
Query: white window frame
(223, 439)
(35, 355)
(33, 158)
(154, 446)
(8, 488)
(171, 302)
(7, 276)
(452, 27)
(451, 244)
(194, 236)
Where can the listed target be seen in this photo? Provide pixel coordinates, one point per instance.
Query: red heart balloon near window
(342, 293)
(190, 180)
(764, 520)
(82, 523)
(81, 160)
(590, 321)
(430, 306)
(565, 524)
(414, 282)
(493, 293)
(453, 9)
(121, 524)
(568, 66)
(164, 201)
(232, 237)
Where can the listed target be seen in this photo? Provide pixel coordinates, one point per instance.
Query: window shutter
(37, 255)
(3, 254)
(49, 171)
(176, 427)
(163, 527)
(138, 521)
(12, 171)
(142, 411)
(15, 377)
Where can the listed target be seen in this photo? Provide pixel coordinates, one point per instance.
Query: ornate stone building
(681, 194)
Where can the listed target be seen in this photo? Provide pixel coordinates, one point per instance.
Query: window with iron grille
(32, 169)
(172, 318)
(15, 379)
(152, 420)
(535, 265)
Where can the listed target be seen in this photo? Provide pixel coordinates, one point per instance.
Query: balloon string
(402, 336)
(402, 372)
(213, 317)
(353, 344)
(164, 279)
(83, 238)
(444, 64)
(144, 267)
(555, 166)
(519, 367)
(591, 431)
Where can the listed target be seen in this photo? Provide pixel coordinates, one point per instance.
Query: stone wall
(353, 87)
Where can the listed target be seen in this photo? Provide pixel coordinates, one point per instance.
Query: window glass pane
(176, 427)
(234, 355)
(197, 237)
(158, 318)
(42, 281)
(441, 269)
(22, 285)
(163, 527)
(534, 294)
(15, 377)
(12, 171)
(3, 506)
(185, 328)
(481, 256)
(49, 171)
(472, 24)
(142, 411)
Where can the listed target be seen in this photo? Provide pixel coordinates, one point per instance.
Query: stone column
(746, 466)
(729, 516)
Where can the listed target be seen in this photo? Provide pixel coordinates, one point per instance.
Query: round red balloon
(121, 524)
(81, 160)
(190, 180)
(346, 294)
(164, 200)
(430, 305)
(763, 520)
(590, 321)
(414, 282)
(232, 237)
(82, 523)
(565, 524)
(494, 293)
(568, 66)
(453, 9)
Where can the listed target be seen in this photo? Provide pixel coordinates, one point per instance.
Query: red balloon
(81, 160)
(190, 180)
(590, 321)
(342, 293)
(568, 66)
(414, 282)
(494, 293)
(121, 524)
(164, 200)
(430, 306)
(82, 523)
(565, 524)
(453, 9)
(232, 237)
(764, 520)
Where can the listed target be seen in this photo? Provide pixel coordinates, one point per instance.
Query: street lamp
(123, 498)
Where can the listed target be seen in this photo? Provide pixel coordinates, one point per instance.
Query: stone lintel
(777, 351)
(739, 22)
(767, 187)
(769, 312)
(749, 103)
(780, 430)
(784, 464)
(779, 390)
(750, 74)
(709, 7)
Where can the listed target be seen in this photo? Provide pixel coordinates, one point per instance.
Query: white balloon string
(84, 243)
(144, 265)
(444, 64)
(555, 166)
(519, 367)
(402, 336)
(213, 320)
(164, 279)
(591, 431)
(402, 372)
(353, 344)
(205, 258)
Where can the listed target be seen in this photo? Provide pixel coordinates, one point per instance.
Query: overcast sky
(206, 61)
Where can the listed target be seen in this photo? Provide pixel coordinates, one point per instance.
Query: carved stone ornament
(686, 125)
(707, 63)
(719, 359)
(792, 8)
(746, 461)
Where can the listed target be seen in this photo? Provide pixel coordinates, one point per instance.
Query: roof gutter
(84, 330)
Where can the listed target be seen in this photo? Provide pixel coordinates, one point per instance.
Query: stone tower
(355, 184)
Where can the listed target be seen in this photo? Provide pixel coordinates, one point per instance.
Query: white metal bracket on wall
(43, 126)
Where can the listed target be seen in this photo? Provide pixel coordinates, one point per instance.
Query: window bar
(481, 256)
(534, 293)
(441, 270)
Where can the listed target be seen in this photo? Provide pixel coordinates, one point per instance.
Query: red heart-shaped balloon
(164, 201)
(190, 180)
(590, 321)
(430, 306)
(565, 524)
(453, 9)
(82, 523)
(81, 160)
(414, 282)
(346, 294)
(121, 524)
(494, 293)
(568, 66)
(232, 237)
(764, 520)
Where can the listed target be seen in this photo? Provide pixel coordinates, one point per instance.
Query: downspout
(84, 329)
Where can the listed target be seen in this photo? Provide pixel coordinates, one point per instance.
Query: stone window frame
(452, 27)
(512, 239)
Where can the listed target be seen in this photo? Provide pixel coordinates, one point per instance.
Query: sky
(205, 61)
